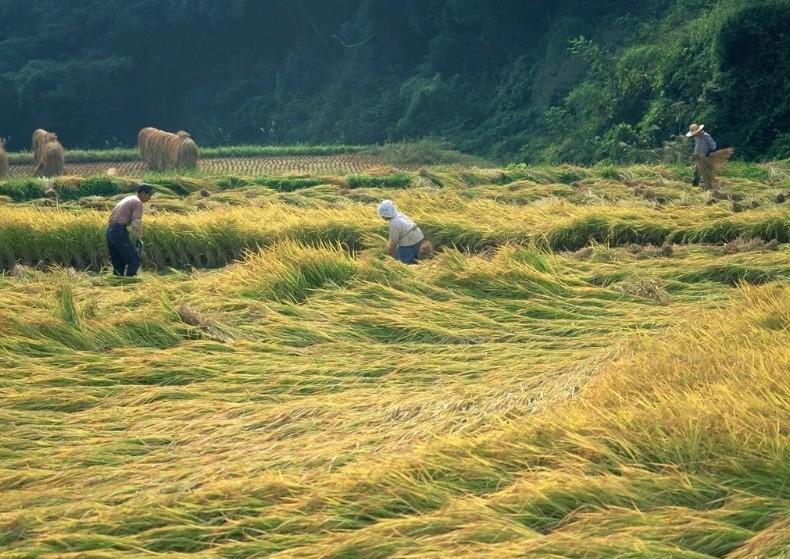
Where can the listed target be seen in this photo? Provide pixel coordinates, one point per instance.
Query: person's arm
(392, 246)
(137, 220)
(392, 243)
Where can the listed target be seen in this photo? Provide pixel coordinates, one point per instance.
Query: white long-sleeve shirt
(403, 231)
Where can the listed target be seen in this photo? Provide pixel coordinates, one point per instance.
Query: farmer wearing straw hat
(704, 145)
(129, 211)
(405, 238)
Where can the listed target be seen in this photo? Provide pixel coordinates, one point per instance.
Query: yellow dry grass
(312, 398)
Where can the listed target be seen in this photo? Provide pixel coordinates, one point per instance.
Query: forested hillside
(538, 80)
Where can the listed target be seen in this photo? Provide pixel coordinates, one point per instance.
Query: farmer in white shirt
(405, 237)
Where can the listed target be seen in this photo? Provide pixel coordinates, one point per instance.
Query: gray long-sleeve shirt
(704, 144)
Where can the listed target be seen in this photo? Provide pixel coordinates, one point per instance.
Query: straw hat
(694, 129)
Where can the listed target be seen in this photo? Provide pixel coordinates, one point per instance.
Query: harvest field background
(352, 163)
(594, 364)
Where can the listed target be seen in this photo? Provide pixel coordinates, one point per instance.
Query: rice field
(260, 165)
(593, 364)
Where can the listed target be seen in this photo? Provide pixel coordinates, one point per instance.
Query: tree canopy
(538, 80)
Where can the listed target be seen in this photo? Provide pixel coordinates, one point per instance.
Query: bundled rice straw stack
(162, 150)
(48, 154)
(711, 165)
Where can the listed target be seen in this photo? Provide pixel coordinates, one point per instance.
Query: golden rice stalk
(709, 166)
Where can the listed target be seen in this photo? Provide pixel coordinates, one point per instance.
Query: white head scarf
(387, 209)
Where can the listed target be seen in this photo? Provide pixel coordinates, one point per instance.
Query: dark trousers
(124, 257)
(695, 182)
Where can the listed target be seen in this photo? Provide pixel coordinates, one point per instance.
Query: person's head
(694, 130)
(145, 191)
(387, 209)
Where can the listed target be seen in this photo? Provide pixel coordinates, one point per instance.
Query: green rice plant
(289, 273)
(442, 177)
(733, 274)
(182, 184)
(233, 182)
(68, 310)
(215, 238)
(744, 170)
(22, 189)
(609, 173)
(395, 180)
(91, 186)
(287, 184)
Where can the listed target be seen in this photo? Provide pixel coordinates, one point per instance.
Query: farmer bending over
(405, 237)
(704, 145)
(129, 211)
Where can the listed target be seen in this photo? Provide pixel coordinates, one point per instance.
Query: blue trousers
(124, 257)
(409, 254)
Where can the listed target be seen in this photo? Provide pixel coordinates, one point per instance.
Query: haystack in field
(188, 154)
(52, 160)
(711, 165)
(162, 150)
(40, 138)
(144, 140)
(48, 154)
(3, 159)
(172, 146)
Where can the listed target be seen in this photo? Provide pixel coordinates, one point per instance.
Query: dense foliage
(545, 80)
